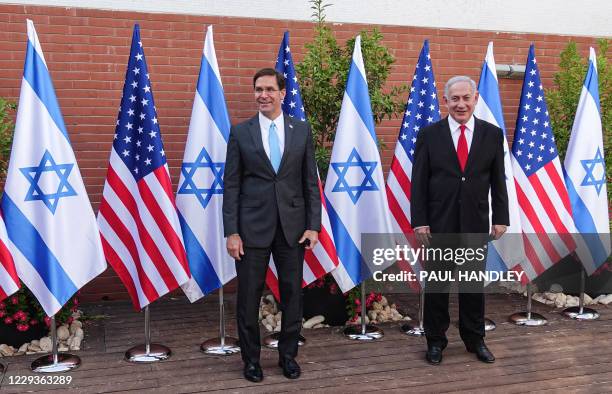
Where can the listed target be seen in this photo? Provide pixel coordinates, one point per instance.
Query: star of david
(203, 194)
(33, 175)
(367, 184)
(589, 166)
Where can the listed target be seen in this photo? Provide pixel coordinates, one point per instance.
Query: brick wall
(86, 52)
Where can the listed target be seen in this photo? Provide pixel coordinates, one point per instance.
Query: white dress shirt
(264, 123)
(455, 131)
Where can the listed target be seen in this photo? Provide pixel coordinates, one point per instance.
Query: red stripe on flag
(161, 219)
(128, 241)
(313, 263)
(398, 212)
(163, 178)
(533, 218)
(328, 246)
(272, 282)
(532, 257)
(401, 176)
(3, 295)
(115, 262)
(145, 238)
(6, 260)
(556, 180)
(549, 207)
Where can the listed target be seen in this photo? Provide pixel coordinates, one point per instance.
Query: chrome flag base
(577, 313)
(156, 352)
(490, 325)
(216, 347)
(65, 362)
(528, 319)
(413, 331)
(271, 341)
(361, 333)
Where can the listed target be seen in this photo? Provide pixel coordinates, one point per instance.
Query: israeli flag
(50, 223)
(508, 251)
(355, 187)
(200, 192)
(585, 175)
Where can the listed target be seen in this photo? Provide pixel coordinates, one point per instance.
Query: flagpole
(418, 330)
(55, 362)
(363, 332)
(580, 312)
(149, 352)
(528, 318)
(223, 345)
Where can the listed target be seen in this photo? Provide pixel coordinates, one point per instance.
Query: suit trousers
(251, 272)
(436, 319)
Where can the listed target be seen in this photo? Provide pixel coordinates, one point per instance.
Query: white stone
(588, 300)
(74, 325)
(268, 327)
(63, 348)
(46, 344)
(571, 301)
(377, 306)
(6, 350)
(75, 344)
(77, 314)
(62, 332)
(79, 333)
(540, 298)
(270, 299)
(278, 316)
(23, 348)
(314, 320)
(407, 318)
(556, 288)
(384, 301)
(372, 315)
(270, 320)
(604, 299)
(32, 347)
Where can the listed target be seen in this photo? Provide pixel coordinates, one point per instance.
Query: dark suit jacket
(255, 196)
(448, 200)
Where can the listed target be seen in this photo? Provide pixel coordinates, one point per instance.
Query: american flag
(542, 195)
(139, 226)
(322, 258)
(422, 109)
(9, 282)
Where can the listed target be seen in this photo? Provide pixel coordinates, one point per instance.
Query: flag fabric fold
(322, 259)
(9, 281)
(51, 227)
(355, 187)
(422, 109)
(545, 211)
(139, 224)
(199, 197)
(508, 251)
(585, 175)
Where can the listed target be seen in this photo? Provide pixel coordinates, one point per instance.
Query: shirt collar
(453, 125)
(265, 122)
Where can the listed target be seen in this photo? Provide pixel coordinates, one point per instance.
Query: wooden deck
(565, 355)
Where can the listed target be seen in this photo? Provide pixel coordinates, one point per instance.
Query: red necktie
(462, 148)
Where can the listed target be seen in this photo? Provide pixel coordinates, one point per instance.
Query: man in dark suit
(457, 161)
(271, 205)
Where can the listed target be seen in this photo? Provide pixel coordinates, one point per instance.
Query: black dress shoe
(482, 352)
(291, 369)
(434, 355)
(252, 372)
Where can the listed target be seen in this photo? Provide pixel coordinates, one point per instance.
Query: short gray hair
(457, 79)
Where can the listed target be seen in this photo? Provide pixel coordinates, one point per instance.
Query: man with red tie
(457, 161)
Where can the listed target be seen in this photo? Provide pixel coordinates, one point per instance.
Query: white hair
(457, 79)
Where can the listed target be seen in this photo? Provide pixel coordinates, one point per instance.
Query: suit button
(462, 179)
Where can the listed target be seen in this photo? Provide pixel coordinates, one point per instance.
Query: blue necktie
(275, 152)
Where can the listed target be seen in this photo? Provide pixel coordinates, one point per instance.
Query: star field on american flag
(422, 107)
(137, 140)
(292, 104)
(534, 142)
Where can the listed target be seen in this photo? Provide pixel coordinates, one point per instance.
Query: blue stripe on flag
(36, 73)
(33, 247)
(347, 251)
(590, 82)
(585, 223)
(212, 95)
(489, 92)
(357, 90)
(494, 261)
(200, 265)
